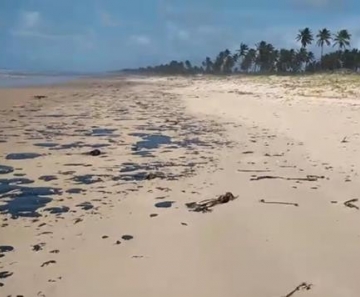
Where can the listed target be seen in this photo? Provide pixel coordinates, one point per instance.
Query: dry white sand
(225, 132)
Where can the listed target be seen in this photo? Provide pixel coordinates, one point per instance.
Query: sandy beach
(97, 178)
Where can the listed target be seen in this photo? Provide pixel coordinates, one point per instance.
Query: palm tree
(188, 66)
(309, 59)
(295, 62)
(261, 54)
(301, 56)
(284, 61)
(305, 37)
(228, 62)
(242, 51)
(323, 37)
(249, 60)
(266, 56)
(208, 65)
(342, 39)
(219, 60)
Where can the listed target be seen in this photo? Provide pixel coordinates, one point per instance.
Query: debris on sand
(6, 248)
(302, 286)
(127, 237)
(248, 152)
(350, 204)
(93, 153)
(5, 274)
(40, 97)
(38, 247)
(278, 202)
(143, 175)
(48, 262)
(206, 205)
(164, 204)
(307, 178)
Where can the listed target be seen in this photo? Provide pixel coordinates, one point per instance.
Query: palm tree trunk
(322, 52)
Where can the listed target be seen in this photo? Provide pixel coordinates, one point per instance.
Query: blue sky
(98, 35)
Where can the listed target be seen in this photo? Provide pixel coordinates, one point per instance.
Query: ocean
(13, 81)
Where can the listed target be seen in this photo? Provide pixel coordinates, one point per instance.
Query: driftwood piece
(349, 203)
(307, 178)
(206, 205)
(278, 202)
(302, 286)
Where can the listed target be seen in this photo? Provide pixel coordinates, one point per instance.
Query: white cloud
(174, 32)
(29, 19)
(108, 20)
(183, 34)
(84, 41)
(31, 25)
(140, 39)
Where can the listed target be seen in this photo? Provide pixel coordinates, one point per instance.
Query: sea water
(13, 81)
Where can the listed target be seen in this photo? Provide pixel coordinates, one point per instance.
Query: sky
(103, 35)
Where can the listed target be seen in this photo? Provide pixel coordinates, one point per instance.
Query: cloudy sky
(98, 35)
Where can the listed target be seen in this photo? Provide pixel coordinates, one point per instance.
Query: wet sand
(96, 175)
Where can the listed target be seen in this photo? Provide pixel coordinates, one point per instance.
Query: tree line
(265, 58)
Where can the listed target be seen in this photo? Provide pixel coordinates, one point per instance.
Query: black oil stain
(130, 167)
(6, 169)
(6, 248)
(57, 210)
(85, 205)
(150, 141)
(19, 174)
(5, 274)
(7, 185)
(48, 178)
(22, 156)
(101, 132)
(48, 263)
(191, 142)
(87, 179)
(138, 176)
(164, 204)
(23, 201)
(37, 247)
(46, 144)
(75, 191)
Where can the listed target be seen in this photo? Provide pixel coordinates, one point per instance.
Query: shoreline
(117, 223)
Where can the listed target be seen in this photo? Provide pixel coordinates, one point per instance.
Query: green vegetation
(265, 58)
